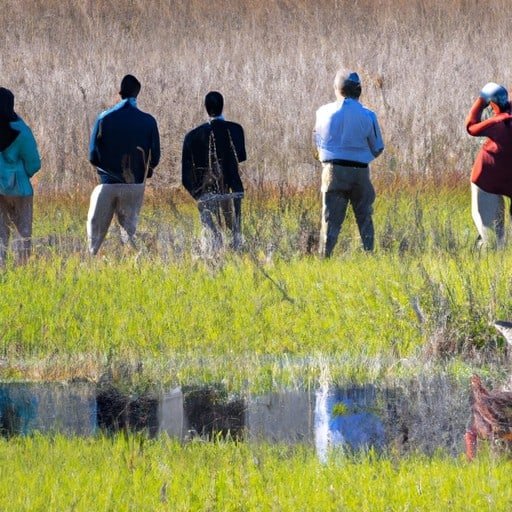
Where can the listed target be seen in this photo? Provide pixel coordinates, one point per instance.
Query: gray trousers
(341, 186)
(488, 212)
(213, 212)
(16, 211)
(123, 200)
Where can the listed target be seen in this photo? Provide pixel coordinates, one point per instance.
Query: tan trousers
(123, 200)
(16, 211)
(488, 211)
(340, 186)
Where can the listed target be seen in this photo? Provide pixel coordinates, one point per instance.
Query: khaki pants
(16, 211)
(123, 200)
(488, 211)
(341, 186)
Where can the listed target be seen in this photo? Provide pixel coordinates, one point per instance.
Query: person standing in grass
(125, 148)
(19, 161)
(210, 170)
(491, 176)
(347, 138)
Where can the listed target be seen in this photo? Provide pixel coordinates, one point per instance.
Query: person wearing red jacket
(491, 176)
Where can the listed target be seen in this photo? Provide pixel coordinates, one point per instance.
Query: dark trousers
(341, 186)
(213, 211)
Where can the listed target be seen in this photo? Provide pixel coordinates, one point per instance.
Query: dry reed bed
(422, 63)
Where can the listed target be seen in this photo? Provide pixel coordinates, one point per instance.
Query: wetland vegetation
(274, 315)
(136, 474)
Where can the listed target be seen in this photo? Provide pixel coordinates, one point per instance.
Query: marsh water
(414, 415)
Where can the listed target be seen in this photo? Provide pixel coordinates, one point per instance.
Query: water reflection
(26, 408)
(347, 420)
(416, 415)
(281, 417)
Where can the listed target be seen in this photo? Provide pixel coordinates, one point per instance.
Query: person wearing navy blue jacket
(125, 149)
(210, 169)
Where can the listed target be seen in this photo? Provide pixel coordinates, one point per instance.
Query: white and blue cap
(495, 93)
(346, 77)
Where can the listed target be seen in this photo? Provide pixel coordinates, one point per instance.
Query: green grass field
(128, 474)
(272, 315)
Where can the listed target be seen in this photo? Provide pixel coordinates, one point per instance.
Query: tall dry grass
(422, 63)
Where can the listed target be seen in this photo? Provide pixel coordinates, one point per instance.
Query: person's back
(346, 130)
(19, 161)
(126, 146)
(218, 142)
(210, 170)
(347, 138)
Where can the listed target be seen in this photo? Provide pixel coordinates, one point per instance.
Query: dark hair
(130, 87)
(7, 105)
(214, 103)
(7, 115)
(351, 89)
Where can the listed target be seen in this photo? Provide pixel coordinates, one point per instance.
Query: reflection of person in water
(16, 413)
(491, 177)
(343, 419)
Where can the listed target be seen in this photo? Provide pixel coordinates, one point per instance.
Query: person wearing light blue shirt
(347, 138)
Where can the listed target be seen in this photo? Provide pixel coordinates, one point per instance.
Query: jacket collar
(217, 118)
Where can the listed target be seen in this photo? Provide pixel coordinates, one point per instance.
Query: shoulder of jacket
(369, 112)
(114, 110)
(236, 126)
(141, 112)
(23, 128)
(19, 124)
(205, 127)
(150, 117)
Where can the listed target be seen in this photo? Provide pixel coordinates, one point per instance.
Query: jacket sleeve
(94, 156)
(155, 149)
(375, 141)
(29, 153)
(479, 128)
(187, 168)
(240, 147)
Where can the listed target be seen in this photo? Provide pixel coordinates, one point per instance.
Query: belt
(346, 163)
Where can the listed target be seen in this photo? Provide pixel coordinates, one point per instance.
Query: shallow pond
(414, 415)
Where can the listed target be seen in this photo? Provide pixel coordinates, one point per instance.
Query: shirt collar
(131, 101)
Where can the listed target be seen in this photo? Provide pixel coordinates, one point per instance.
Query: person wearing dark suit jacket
(125, 149)
(211, 156)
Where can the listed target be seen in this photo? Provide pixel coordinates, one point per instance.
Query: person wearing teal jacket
(19, 161)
